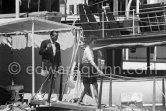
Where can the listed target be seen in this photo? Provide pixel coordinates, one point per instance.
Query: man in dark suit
(51, 58)
(50, 50)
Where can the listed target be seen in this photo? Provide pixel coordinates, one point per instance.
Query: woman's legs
(95, 90)
(86, 89)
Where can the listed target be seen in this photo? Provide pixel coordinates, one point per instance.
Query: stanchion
(163, 90)
(154, 95)
(100, 93)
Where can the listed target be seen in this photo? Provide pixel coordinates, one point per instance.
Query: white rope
(86, 14)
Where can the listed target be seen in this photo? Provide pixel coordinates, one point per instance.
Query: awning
(144, 40)
(22, 25)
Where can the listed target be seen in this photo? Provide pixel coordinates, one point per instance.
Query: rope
(119, 76)
(86, 14)
(77, 45)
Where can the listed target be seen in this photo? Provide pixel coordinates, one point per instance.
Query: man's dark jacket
(48, 54)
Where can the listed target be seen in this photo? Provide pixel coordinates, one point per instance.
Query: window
(71, 9)
(152, 50)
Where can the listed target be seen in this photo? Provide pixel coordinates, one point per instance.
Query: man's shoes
(80, 102)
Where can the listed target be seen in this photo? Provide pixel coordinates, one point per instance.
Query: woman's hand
(100, 72)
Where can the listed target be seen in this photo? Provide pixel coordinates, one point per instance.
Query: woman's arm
(91, 60)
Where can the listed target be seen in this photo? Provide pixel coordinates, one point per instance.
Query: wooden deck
(69, 106)
(78, 107)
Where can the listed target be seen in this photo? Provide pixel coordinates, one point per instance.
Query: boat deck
(78, 107)
(71, 106)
